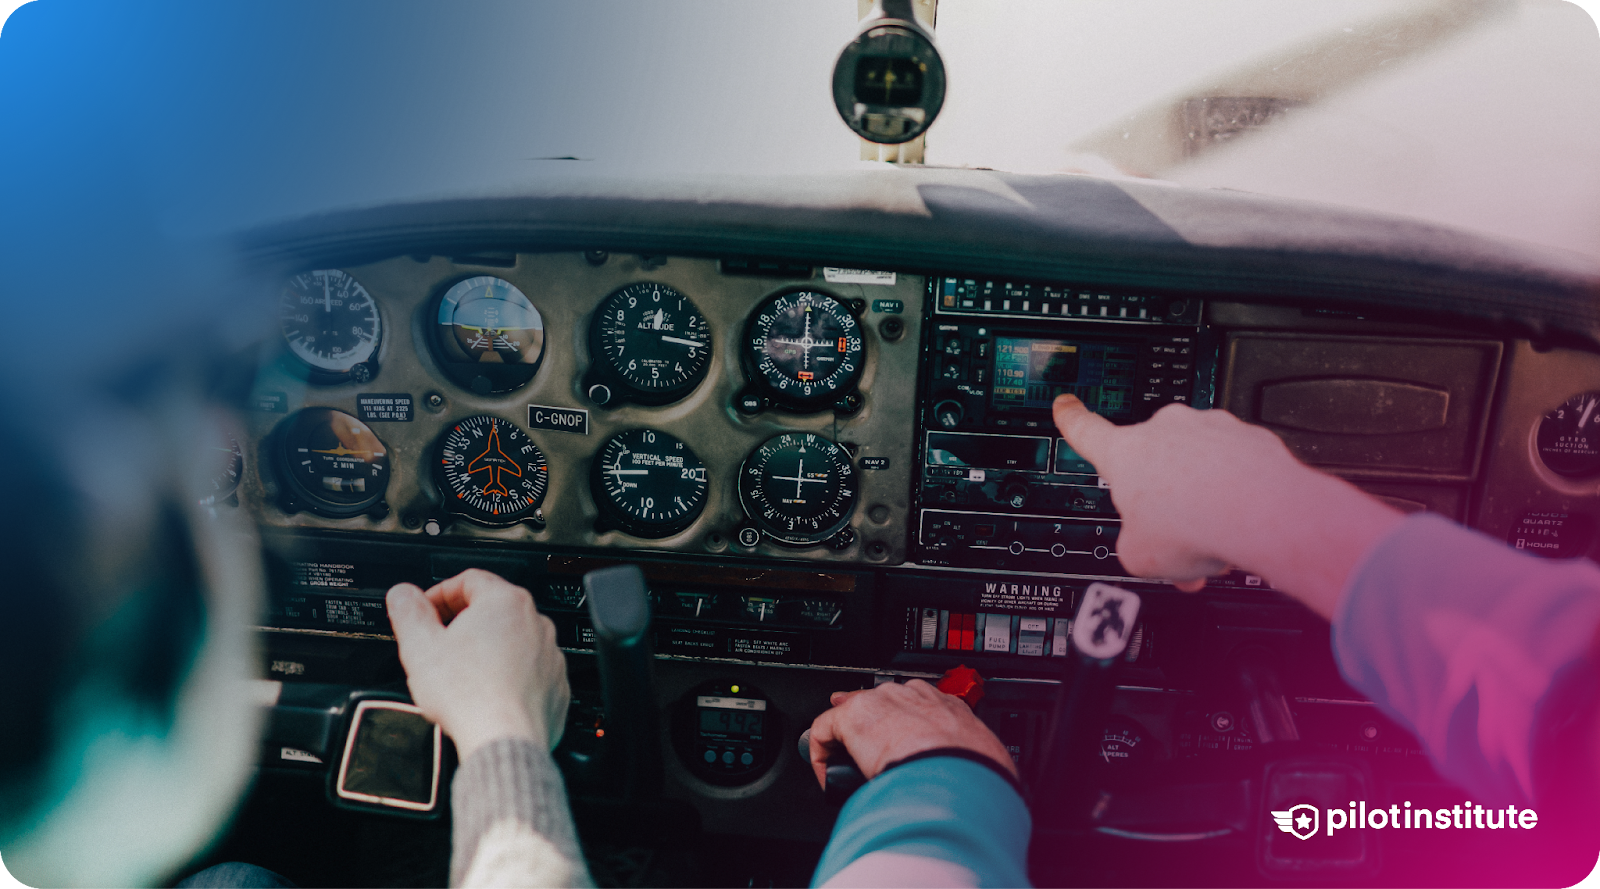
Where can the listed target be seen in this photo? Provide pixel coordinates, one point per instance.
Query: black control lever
(841, 776)
(1266, 706)
(1100, 635)
(630, 759)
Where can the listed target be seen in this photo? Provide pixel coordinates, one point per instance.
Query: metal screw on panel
(434, 401)
(596, 257)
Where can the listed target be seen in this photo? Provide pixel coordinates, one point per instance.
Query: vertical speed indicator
(490, 471)
(648, 483)
(799, 488)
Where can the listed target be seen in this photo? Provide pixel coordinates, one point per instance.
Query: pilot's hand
(480, 660)
(882, 725)
(1199, 491)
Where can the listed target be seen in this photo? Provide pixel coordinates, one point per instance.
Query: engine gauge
(489, 471)
(803, 349)
(650, 345)
(227, 465)
(799, 488)
(331, 325)
(1122, 743)
(648, 483)
(817, 612)
(1569, 436)
(487, 335)
(333, 463)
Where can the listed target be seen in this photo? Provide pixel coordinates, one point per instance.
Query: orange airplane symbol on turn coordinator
(494, 461)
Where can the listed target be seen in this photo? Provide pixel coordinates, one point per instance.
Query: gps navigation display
(1030, 373)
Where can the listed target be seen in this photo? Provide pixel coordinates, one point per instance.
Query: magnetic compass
(489, 471)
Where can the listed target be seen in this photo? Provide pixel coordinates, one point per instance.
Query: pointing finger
(1089, 433)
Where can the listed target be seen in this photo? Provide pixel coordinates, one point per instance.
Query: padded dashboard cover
(1074, 228)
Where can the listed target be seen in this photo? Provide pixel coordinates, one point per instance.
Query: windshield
(1478, 113)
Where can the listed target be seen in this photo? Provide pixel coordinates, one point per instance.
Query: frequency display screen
(730, 722)
(1030, 373)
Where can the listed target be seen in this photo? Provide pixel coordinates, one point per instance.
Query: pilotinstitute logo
(1304, 820)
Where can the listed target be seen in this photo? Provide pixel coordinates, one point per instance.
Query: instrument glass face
(334, 461)
(649, 483)
(487, 335)
(654, 339)
(805, 348)
(799, 488)
(329, 321)
(490, 471)
(1569, 436)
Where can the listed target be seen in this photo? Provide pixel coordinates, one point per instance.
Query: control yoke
(619, 607)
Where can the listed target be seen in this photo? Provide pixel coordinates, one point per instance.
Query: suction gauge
(1569, 436)
(648, 483)
(799, 488)
(489, 471)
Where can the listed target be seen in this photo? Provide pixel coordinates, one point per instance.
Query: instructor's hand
(480, 660)
(1199, 491)
(882, 725)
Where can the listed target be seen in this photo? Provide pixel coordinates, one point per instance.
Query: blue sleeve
(944, 808)
(1465, 641)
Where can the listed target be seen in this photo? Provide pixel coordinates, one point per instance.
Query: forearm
(943, 818)
(512, 825)
(1306, 538)
(1478, 649)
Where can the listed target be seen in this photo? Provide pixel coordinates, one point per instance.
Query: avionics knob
(948, 413)
(1014, 494)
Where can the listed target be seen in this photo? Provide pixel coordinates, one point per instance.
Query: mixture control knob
(948, 413)
(1014, 494)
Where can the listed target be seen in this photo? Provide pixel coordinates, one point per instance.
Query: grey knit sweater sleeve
(512, 826)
